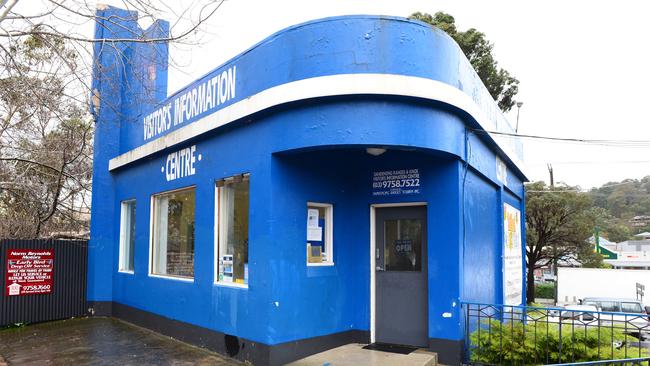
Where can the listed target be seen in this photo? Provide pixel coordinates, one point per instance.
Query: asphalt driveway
(98, 341)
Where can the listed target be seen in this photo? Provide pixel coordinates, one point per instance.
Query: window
(319, 234)
(631, 307)
(232, 216)
(610, 306)
(127, 235)
(173, 233)
(403, 245)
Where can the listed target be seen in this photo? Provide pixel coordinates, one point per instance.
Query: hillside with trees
(622, 208)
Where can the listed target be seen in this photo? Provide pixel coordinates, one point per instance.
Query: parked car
(627, 314)
(585, 313)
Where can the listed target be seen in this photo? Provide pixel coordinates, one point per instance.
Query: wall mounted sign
(181, 163)
(29, 271)
(512, 256)
(396, 182)
(203, 97)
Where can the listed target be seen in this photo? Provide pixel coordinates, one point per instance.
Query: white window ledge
(173, 278)
(324, 264)
(232, 284)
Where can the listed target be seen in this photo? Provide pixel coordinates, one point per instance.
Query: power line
(620, 143)
(572, 190)
(637, 195)
(593, 162)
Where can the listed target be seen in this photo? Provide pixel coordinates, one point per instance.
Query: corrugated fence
(68, 291)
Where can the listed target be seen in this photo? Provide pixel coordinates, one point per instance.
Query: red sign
(29, 271)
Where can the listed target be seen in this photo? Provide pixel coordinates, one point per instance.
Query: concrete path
(98, 341)
(355, 355)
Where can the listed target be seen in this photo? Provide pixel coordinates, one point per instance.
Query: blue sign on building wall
(396, 182)
(266, 210)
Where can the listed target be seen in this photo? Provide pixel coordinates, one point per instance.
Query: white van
(615, 305)
(627, 314)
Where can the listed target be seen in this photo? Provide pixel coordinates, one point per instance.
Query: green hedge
(515, 344)
(545, 291)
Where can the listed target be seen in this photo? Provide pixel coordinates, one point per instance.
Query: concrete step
(354, 354)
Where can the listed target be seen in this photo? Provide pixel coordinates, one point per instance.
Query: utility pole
(552, 185)
(519, 104)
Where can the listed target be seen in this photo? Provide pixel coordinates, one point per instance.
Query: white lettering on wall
(158, 121)
(181, 163)
(203, 97)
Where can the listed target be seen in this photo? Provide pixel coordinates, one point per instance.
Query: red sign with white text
(29, 271)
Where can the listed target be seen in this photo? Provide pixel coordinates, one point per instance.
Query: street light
(519, 104)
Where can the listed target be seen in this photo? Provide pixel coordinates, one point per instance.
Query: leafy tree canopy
(45, 140)
(559, 222)
(620, 202)
(502, 86)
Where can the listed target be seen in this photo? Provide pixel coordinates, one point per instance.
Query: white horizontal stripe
(323, 86)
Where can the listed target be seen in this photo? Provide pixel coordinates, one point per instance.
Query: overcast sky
(583, 68)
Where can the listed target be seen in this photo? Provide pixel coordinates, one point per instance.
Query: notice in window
(396, 182)
(312, 217)
(314, 234)
(512, 256)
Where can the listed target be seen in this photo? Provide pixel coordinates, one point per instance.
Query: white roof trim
(323, 86)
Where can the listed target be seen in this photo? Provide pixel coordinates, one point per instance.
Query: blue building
(344, 180)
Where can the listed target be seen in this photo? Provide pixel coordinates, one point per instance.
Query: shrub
(545, 291)
(513, 343)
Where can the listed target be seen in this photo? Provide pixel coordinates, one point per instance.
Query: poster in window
(312, 217)
(512, 256)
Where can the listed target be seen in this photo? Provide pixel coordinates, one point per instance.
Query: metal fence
(526, 335)
(67, 297)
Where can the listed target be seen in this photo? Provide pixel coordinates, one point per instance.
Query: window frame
(616, 304)
(638, 307)
(152, 222)
(219, 231)
(122, 242)
(328, 235)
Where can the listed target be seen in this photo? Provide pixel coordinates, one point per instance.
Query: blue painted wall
(482, 252)
(117, 78)
(307, 151)
(341, 45)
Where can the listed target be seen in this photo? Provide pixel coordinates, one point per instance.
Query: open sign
(403, 246)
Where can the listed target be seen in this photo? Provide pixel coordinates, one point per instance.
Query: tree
(46, 129)
(558, 226)
(45, 141)
(56, 21)
(59, 19)
(612, 228)
(620, 202)
(502, 86)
